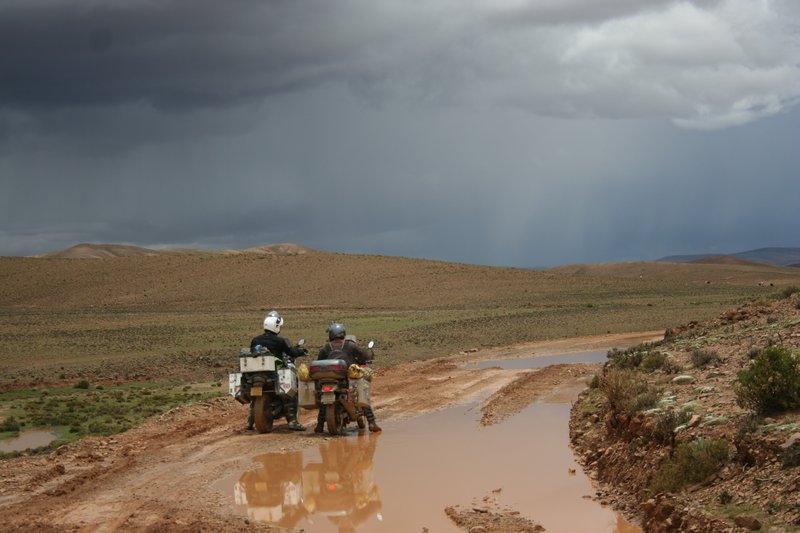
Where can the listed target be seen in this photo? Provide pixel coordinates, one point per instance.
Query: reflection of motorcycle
(273, 494)
(340, 487)
(270, 382)
(343, 395)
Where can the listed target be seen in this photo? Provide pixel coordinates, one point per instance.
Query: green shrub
(10, 424)
(701, 358)
(652, 361)
(82, 384)
(626, 392)
(772, 383)
(791, 456)
(628, 358)
(664, 430)
(691, 463)
(749, 424)
(671, 366)
(789, 291)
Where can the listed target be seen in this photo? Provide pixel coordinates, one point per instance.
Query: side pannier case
(362, 389)
(287, 383)
(308, 395)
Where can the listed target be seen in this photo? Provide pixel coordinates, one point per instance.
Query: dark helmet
(336, 331)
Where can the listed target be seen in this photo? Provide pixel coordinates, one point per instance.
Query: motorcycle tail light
(327, 388)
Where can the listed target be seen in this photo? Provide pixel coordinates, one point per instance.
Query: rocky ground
(755, 488)
(487, 516)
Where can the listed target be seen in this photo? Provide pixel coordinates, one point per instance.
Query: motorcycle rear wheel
(334, 418)
(263, 414)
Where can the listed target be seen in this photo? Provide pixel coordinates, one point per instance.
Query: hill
(726, 260)
(773, 256)
(98, 251)
(102, 251)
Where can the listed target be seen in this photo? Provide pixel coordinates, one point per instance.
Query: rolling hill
(773, 256)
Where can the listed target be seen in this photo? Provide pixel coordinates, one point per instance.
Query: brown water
(27, 439)
(403, 478)
(542, 361)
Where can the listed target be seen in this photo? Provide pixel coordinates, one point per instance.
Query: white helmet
(273, 322)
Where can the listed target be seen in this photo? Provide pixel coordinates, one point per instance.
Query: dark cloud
(502, 132)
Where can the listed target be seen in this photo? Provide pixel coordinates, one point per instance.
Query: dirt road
(161, 476)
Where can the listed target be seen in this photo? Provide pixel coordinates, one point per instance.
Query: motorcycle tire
(263, 414)
(334, 418)
(361, 421)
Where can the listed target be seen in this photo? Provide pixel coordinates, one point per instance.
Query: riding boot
(320, 420)
(291, 415)
(373, 424)
(252, 416)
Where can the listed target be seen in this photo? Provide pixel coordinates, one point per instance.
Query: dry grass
(60, 316)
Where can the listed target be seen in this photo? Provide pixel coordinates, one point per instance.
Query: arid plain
(118, 318)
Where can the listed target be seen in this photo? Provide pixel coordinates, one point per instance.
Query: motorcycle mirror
(370, 344)
(301, 342)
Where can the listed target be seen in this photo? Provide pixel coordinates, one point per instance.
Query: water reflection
(339, 486)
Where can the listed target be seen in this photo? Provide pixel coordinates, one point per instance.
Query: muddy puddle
(27, 439)
(541, 361)
(404, 478)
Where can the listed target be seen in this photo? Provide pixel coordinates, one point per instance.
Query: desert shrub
(664, 430)
(691, 463)
(624, 358)
(626, 392)
(789, 291)
(701, 358)
(671, 366)
(82, 384)
(791, 456)
(595, 382)
(749, 424)
(653, 361)
(772, 383)
(631, 357)
(10, 424)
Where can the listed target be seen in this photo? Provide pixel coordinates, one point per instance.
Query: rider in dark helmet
(279, 347)
(352, 353)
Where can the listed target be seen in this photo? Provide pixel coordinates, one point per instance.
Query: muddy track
(161, 476)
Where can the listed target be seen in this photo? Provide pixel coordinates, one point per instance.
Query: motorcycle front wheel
(263, 414)
(334, 418)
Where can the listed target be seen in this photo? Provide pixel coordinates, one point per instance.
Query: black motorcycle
(268, 381)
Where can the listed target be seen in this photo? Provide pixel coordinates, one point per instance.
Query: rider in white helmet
(279, 347)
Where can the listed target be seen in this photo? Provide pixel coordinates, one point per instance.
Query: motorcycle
(270, 382)
(343, 395)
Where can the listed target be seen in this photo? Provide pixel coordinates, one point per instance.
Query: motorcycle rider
(279, 347)
(352, 353)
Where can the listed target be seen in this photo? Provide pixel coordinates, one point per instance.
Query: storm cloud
(503, 132)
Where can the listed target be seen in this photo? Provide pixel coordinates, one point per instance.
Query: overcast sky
(504, 132)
